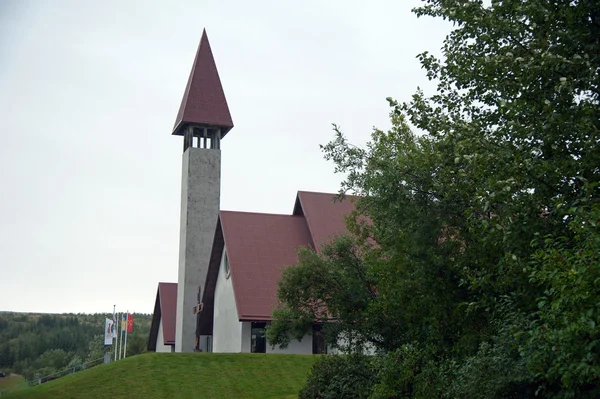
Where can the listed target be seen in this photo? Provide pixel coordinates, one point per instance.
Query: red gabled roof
(167, 293)
(165, 308)
(259, 246)
(203, 101)
(325, 217)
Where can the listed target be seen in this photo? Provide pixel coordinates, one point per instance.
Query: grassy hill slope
(195, 375)
(10, 381)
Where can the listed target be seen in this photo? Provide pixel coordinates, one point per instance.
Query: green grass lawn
(10, 381)
(194, 375)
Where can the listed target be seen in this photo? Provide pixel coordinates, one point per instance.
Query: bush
(340, 376)
(495, 371)
(564, 337)
(76, 364)
(400, 372)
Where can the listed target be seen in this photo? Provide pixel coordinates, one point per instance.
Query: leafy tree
(137, 343)
(518, 111)
(96, 348)
(76, 364)
(334, 286)
(54, 359)
(486, 221)
(564, 337)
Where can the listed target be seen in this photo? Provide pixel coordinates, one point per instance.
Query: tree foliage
(36, 345)
(486, 222)
(336, 376)
(334, 287)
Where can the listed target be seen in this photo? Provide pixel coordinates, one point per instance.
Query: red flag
(129, 322)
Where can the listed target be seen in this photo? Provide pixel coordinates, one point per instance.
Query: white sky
(89, 90)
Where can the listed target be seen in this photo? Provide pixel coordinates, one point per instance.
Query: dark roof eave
(156, 315)
(255, 318)
(178, 130)
(208, 293)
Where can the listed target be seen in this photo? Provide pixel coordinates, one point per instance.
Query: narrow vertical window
(227, 267)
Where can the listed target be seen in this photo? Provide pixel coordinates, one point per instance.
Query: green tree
(332, 287)
(487, 222)
(76, 364)
(54, 359)
(137, 343)
(96, 348)
(518, 112)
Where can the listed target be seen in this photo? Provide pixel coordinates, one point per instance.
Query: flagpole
(120, 336)
(126, 328)
(114, 338)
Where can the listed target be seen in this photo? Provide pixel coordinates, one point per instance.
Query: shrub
(340, 376)
(399, 372)
(495, 371)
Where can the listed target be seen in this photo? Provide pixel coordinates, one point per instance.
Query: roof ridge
(316, 192)
(332, 194)
(258, 213)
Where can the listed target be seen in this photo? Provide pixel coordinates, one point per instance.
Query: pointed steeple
(203, 103)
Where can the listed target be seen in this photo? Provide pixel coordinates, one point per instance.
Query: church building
(230, 262)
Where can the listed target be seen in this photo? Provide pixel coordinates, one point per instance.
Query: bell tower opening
(202, 137)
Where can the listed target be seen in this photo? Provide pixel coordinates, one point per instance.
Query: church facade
(230, 262)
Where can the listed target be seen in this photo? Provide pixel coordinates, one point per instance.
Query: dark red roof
(259, 246)
(167, 293)
(203, 101)
(324, 217)
(165, 309)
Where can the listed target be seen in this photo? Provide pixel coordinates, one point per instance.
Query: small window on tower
(227, 268)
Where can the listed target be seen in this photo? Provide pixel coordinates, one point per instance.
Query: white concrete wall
(232, 336)
(200, 188)
(227, 329)
(160, 341)
(303, 347)
(246, 336)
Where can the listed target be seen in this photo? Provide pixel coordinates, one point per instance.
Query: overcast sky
(90, 176)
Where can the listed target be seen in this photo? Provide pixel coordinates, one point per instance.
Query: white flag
(113, 328)
(108, 332)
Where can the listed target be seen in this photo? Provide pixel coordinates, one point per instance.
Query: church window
(227, 267)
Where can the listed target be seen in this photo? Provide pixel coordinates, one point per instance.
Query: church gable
(325, 216)
(260, 245)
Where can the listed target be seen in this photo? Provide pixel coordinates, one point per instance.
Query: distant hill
(37, 344)
(194, 375)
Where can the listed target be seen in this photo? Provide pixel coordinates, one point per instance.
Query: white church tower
(203, 120)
